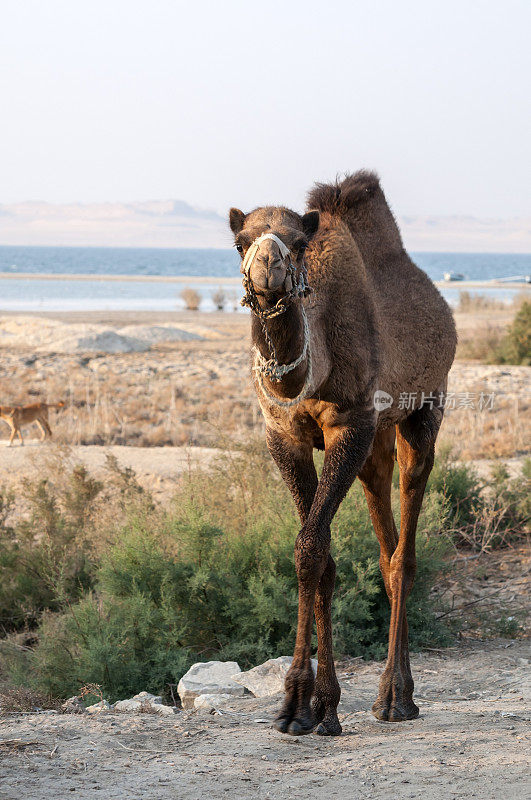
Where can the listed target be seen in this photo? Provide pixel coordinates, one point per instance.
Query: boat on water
(454, 276)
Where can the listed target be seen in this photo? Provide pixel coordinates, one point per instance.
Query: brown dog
(17, 416)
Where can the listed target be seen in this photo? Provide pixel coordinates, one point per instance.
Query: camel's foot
(395, 698)
(325, 716)
(395, 712)
(329, 726)
(296, 725)
(295, 716)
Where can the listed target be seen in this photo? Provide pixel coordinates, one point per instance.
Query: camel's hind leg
(415, 452)
(376, 478)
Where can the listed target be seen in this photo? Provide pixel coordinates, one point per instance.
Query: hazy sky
(242, 103)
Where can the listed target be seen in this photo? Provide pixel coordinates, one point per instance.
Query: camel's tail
(342, 196)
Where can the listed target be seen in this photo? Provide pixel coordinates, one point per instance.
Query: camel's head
(268, 266)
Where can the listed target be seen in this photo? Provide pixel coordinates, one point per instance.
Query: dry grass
(478, 302)
(503, 432)
(174, 396)
(483, 343)
(192, 299)
(482, 323)
(200, 392)
(219, 298)
(17, 699)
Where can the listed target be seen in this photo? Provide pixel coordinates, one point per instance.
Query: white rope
(260, 360)
(253, 250)
(270, 367)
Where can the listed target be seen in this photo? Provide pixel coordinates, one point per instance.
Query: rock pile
(208, 685)
(209, 678)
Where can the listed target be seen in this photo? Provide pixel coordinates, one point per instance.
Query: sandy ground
(157, 468)
(471, 741)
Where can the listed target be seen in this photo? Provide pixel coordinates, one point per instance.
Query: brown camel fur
(17, 416)
(376, 322)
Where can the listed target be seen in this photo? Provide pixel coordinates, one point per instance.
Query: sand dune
(52, 335)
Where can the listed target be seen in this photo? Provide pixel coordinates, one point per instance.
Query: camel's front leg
(295, 462)
(326, 692)
(346, 449)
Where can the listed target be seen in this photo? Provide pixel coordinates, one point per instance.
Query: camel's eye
(239, 248)
(299, 247)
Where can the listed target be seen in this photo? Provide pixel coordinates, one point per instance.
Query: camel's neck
(286, 332)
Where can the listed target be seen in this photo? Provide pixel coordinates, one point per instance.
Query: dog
(17, 416)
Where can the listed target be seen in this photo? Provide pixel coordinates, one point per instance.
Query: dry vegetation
(200, 392)
(192, 299)
(482, 323)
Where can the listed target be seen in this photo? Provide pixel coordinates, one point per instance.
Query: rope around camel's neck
(271, 368)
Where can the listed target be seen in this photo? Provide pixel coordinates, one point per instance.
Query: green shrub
(45, 558)
(515, 347)
(212, 576)
(460, 485)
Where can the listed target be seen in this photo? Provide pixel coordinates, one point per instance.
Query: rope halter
(298, 288)
(272, 368)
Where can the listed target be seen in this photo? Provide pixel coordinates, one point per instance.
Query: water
(57, 295)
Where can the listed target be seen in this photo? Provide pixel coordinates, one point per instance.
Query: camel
(351, 348)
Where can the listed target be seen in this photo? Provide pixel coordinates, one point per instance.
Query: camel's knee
(311, 555)
(420, 429)
(402, 570)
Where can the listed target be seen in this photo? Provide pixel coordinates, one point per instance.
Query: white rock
(144, 700)
(73, 705)
(209, 677)
(127, 705)
(100, 707)
(147, 697)
(268, 678)
(212, 701)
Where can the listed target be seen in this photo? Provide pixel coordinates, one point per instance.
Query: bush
(219, 299)
(515, 347)
(483, 515)
(45, 559)
(478, 302)
(192, 299)
(137, 600)
(460, 485)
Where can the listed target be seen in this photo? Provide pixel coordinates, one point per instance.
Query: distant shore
(215, 280)
(97, 276)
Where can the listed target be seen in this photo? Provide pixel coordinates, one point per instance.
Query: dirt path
(157, 468)
(471, 741)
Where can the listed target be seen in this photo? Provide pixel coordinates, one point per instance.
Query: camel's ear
(236, 220)
(310, 223)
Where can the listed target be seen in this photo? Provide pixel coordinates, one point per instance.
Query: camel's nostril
(275, 276)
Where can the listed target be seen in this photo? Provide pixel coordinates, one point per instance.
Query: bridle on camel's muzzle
(272, 368)
(298, 288)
